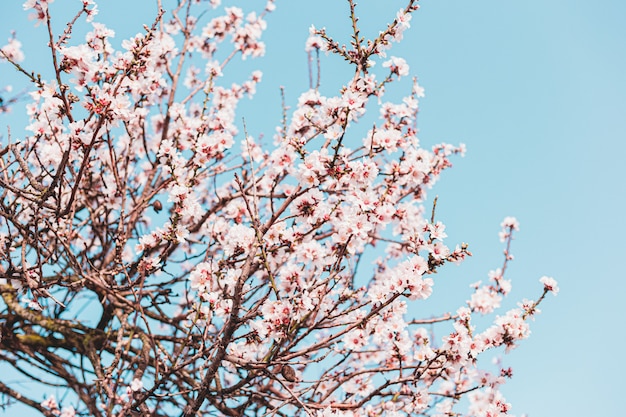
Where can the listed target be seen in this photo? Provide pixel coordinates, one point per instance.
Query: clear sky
(537, 91)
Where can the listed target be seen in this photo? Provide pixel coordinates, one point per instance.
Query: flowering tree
(149, 267)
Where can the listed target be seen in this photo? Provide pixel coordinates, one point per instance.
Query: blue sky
(537, 92)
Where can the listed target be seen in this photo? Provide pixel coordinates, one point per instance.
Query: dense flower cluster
(225, 275)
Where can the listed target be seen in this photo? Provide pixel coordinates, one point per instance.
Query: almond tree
(155, 259)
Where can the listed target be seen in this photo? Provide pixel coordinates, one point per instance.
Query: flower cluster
(222, 274)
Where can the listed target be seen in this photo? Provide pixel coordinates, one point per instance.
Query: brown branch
(25, 400)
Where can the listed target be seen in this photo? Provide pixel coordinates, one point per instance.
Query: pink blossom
(50, 403)
(550, 284)
(12, 51)
(484, 300)
(136, 385)
(355, 339)
(488, 403)
(510, 222)
(403, 19)
(508, 225)
(40, 7)
(68, 411)
(200, 276)
(149, 264)
(397, 66)
(315, 42)
(354, 100)
(239, 238)
(529, 307)
(438, 250)
(437, 231)
(387, 139)
(91, 12)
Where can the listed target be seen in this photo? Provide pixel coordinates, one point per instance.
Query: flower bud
(288, 373)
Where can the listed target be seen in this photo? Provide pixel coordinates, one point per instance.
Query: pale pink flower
(91, 12)
(550, 284)
(484, 300)
(223, 308)
(353, 99)
(438, 250)
(418, 90)
(40, 7)
(386, 139)
(239, 238)
(136, 385)
(178, 193)
(68, 411)
(12, 51)
(200, 276)
(149, 264)
(355, 339)
(315, 42)
(397, 66)
(437, 231)
(148, 241)
(508, 225)
(403, 19)
(50, 403)
(421, 289)
(529, 307)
